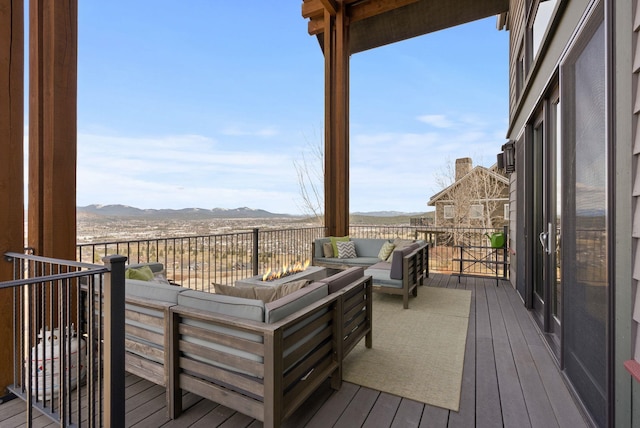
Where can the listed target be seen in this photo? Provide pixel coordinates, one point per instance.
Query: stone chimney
(463, 166)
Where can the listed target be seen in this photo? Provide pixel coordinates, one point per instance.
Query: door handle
(545, 239)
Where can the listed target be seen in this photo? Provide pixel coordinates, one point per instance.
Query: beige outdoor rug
(417, 353)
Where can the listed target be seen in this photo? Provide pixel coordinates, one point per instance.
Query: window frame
(473, 212)
(448, 208)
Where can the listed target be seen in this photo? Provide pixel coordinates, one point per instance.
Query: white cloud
(182, 171)
(436, 120)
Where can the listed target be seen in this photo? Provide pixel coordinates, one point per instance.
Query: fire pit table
(313, 273)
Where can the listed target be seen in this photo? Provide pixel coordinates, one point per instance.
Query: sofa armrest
(357, 310)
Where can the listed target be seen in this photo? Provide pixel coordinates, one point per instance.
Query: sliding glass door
(585, 235)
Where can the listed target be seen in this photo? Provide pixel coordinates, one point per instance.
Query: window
(476, 211)
(520, 72)
(541, 22)
(448, 211)
(506, 211)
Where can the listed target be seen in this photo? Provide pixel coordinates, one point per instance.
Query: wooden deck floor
(509, 380)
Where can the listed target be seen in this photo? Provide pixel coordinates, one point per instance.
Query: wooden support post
(11, 166)
(53, 50)
(336, 180)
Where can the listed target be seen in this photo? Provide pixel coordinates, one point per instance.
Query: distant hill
(186, 213)
(387, 214)
(382, 217)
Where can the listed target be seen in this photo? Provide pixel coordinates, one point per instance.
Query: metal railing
(199, 261)
(67, 365)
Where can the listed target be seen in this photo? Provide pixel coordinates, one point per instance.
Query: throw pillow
(334, 241)
(327, 249)
(290, 287)
(386, 250)
(346, 250)
(143, 273)
(266, 294)
(161, 277)
(399, 244)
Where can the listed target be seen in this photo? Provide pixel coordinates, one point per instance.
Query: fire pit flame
(285, 271)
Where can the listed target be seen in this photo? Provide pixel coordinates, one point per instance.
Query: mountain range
(205, 213)
(192, 213)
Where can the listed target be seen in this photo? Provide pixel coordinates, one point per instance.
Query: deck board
(408, 414)
(382, 414)
(509, 379)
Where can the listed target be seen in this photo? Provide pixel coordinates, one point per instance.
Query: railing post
(256, 234)
(114, 409)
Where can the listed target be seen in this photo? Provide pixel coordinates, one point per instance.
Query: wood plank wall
(11, 165)
(517, 27)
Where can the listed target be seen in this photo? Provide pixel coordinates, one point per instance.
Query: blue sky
(209, 104)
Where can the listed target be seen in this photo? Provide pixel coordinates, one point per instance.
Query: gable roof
(491, 172)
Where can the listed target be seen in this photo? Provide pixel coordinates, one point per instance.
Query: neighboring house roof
(492, 172)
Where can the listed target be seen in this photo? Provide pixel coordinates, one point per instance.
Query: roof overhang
(374, 23)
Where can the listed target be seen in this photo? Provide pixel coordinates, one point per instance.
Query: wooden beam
(330, 6)
(336, 182)
(372, 8)
(355, 12)
(11, 167)
(53, 47)
(312, 9)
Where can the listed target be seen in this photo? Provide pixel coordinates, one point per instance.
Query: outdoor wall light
(508, 157)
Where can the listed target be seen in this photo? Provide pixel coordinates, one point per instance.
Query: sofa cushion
(381, 265)
(153, 290)
(251, 309)
(318, 250)
(346, 250)
(386, 250)
(381, 277)
(396, 263)
(282, 308)
(334, 240)
(368, 247)
(358, 261)
(342, 279)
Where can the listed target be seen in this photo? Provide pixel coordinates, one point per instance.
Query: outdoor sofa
(399, 269)
(261, 359)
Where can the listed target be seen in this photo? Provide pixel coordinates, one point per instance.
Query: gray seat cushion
(291, 303)
(358, 261)
(381, 265)
(153, 290)
(381, 277)
(250, 309)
